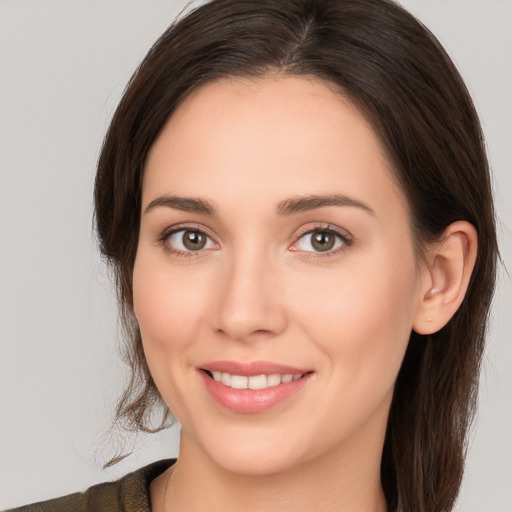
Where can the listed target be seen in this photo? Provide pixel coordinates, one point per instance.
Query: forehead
(269, 138)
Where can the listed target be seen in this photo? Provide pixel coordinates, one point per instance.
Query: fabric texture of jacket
(129, 494)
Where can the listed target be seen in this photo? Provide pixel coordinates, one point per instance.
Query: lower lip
(251, 401)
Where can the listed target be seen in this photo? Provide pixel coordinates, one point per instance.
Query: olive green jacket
(129, 494)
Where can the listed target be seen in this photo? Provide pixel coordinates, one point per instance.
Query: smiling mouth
(262, 381)
(250, 388)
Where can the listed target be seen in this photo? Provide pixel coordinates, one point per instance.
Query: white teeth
(255, 381)
(258, 382)
(239, 382)
(274, 379)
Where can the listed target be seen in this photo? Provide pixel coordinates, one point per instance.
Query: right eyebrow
(185, 204)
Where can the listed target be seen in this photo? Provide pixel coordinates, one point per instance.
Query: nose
(249, 303)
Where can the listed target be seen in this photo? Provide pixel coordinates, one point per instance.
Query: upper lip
(252, 368)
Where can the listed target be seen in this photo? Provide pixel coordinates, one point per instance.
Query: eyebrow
(185, 204)
(284, 208)
(306, 203)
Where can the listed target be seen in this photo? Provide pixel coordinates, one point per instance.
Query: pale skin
(259, 289)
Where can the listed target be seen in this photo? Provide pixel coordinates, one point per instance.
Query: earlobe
(450, 265)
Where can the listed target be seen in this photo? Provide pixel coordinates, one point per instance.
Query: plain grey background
(63, 66)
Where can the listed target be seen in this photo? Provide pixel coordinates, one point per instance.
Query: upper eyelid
(176, 228)
(316, 226)
(324, 227)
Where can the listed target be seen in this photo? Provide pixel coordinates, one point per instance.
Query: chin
(252, 453)
(253, 463)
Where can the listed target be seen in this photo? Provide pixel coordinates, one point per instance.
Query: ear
(445, 277)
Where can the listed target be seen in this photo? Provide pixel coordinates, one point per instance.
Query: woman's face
(274, 246)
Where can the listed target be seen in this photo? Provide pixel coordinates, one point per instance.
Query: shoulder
(124, 495)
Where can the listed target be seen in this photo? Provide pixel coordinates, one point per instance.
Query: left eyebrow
(306, 203)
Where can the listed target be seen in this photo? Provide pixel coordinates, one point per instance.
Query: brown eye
(187, 240)
(321, 240)
(194, 240)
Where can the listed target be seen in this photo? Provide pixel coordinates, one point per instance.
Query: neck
(348, 481)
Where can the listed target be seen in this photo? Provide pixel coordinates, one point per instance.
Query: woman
(311, 304)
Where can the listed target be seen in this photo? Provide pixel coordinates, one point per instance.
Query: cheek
(167, 306)
(361, 315)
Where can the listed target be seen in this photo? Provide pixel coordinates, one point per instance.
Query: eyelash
(167, 233)
(342, 235)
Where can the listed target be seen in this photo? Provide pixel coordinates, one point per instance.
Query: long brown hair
(400, 77)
